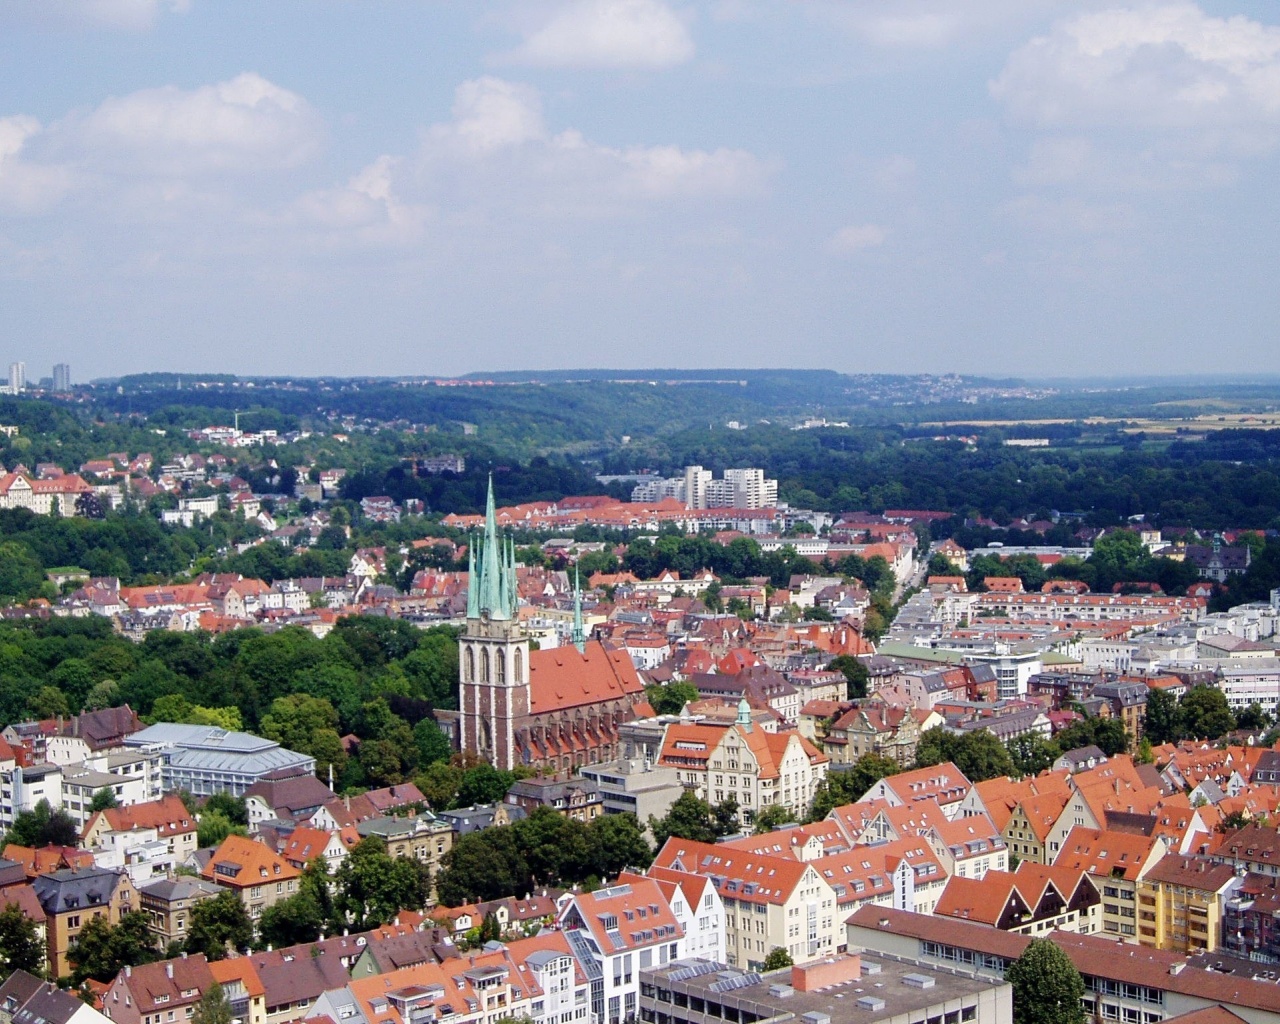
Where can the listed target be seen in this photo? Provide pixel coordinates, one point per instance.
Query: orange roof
(241, 862)
(239, 969)
(747, 877)
(1106, 852)
(1042, 812)
(168, 815)
(638, 911)
(563, 677)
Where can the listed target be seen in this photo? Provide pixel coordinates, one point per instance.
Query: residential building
(166, 820)
(71, 898)
(944, 783)
(738, 762)
(421, 837)
(768, 900)
(577, 798)
(635, 786)
(615, 933)
(1033, 900)
(286, 794)
(257, 874)
(167, 902)
(1117, 861)
(166, 992)
(21, 788)
(1182, 901)
(697, 908)
(26, 999)
(94, 732)
(562, 990)
(61, 377)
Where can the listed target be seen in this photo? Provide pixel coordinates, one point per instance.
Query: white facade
(22, 788)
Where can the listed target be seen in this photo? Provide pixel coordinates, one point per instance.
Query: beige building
(739, 762)
(168, 902)
(258, 875)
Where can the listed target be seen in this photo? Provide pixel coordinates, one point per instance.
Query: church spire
(495, 584)
(579, 633)
(744, 714)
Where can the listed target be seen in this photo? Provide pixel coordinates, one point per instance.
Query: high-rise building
(62, 377)
(17, 378)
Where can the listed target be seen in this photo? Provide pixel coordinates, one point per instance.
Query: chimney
(128, 972)
(168, 969)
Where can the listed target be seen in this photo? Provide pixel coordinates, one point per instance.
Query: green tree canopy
(218, 923)
(1047, 988)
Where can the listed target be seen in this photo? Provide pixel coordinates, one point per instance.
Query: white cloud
(927, 24)
(26, 187)
(609, 34)
(491, 113)
(129, 15)
(855, 238)
(368, 207)
(498, 136)
(1151, 67)
(244, 124)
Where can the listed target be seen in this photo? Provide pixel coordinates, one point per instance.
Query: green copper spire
(744, 714)
(513, 591)
(579, 633)
(493, 590)
(473, 586)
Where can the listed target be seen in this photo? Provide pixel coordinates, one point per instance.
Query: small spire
(473, 584)
(744, 714)
(579, 633)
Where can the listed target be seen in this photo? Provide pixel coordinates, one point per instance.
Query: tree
(102, 950)
(20, 945)
(483, 784)
(1205, 714)
(1253, 718)
(218, 922)
(1161, 725)
(855, 672)
(48, 702)
(671, 698)
(43, 826)
(777, 959)
(231, 807)
(213, 1007)
(771, 817)
(1047, 988)
(840, 788)
(372, 886)
(294, 920)
(433, 744)
(691, 818)
(978, 754)
(1032, 753)
(104, 799)
(617, 842)
(214, 827)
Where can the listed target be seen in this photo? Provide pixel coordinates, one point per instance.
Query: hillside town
(149, 862)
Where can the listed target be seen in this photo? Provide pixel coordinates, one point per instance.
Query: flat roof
(905, 987)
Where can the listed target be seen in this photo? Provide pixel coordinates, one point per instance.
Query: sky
(411, 187)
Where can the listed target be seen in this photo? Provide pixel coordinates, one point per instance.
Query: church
(555, 709)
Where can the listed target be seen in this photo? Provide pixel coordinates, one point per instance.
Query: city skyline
(1032, 189)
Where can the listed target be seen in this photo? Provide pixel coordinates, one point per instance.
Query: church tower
(493, 656)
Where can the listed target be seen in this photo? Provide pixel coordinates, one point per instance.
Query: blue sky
(1024, 187)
